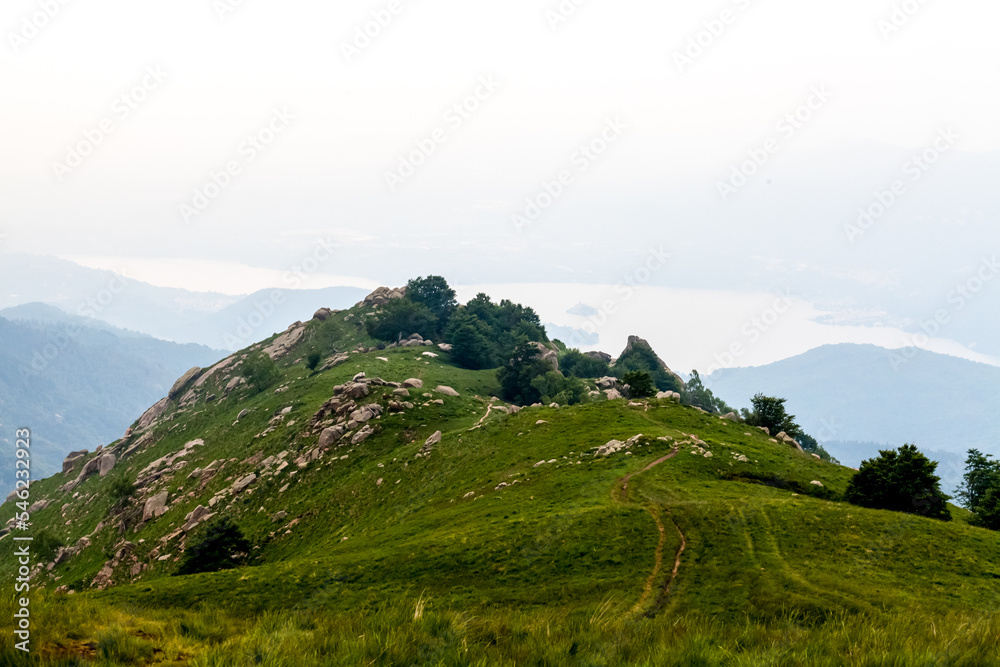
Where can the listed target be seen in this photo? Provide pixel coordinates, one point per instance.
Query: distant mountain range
(851, 397)
(78, 383)
(219, 321)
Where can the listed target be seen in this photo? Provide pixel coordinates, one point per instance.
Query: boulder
(548, 355)
(182, 382)
(106, 463)
(362, 435)
(447, 391)
(670, 396)
(323, 314)
(444, 347)
(433, 440)
(284, 343)
(331, 435)
(243, 483)
(607, 382)
(155, 506)
(600, 356)
(731, 416)
(234, 383)
(612, 394)
(413, 383)
(358, 390)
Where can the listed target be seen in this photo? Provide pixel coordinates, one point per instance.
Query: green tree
(121, 488)
(554, 387)
(435, 293)
(471, 342)
(769, 412)
(698, 395)
(401, 318)
(640, 384)
(312, 361)
(517, 374)
(580, 365)
(260, 371)
(223, 546)
(982, 472)
(45, 545)
(988, 511)
(900, 480)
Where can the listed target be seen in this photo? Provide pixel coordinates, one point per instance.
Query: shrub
(580, 365)
(901, 481)
(260, 371)
(312, 361)
(223, 546)
(121, 488)
(401, 318)
(640, 384)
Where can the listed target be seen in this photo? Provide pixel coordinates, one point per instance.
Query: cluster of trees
(900, 480)
(221, 547)
(980, 489)
(482, 334)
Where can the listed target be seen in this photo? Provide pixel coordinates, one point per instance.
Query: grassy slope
(547, 571)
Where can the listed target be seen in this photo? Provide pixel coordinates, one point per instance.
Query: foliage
(312, 361)
(810, 445)
(982, 472)
(901, 481)
(260, 371)
(401, 318)
(980, 489)
(471, 342)
(121, 488)
(700, 396)
(554, 387)
(580, 365)
(485, 333)
(518, 374)
(769, 412)
(223, 546)
(434, 293)
(640, 384)
(45, 545)
(642, 358)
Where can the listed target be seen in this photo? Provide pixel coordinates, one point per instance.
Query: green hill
(614, 532)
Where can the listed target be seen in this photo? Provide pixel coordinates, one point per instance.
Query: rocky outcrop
(106, 464)
(182, 382)
(548, 354)
(447, 391)
(284, 343)
(323, 314)
(600, 356)
(383, 295)
(150, 416)
(634, 343)
(72, 459)
(243, 483)
(788, 440)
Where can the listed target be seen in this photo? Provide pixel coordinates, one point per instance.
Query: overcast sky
(214, 144)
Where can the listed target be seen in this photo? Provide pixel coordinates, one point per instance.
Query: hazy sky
(214, 144)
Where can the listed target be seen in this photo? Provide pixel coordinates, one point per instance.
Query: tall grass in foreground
(71, 631)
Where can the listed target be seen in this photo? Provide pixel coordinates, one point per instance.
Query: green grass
(558, 568)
